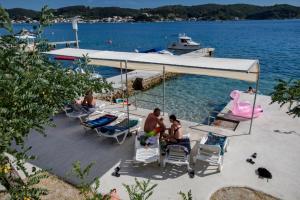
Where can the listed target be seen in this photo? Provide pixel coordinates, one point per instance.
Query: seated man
(154, 124)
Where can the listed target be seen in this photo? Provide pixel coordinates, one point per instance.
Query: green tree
(32, 90)
(288, 92)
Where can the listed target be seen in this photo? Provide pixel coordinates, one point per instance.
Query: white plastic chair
(211, 153)
(177, 154)
(146, 154)
(81, 115)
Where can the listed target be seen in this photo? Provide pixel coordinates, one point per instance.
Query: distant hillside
(204, 12)
(20, 13)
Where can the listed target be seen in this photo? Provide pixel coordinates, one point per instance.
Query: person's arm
(160, 122)
(171, 133)
(179, 133)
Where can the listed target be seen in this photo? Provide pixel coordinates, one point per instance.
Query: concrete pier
(137, 80)
(144, 80)
(275, 138)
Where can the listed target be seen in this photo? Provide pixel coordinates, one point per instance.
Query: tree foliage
(5, 21)
(288, 92)
(33, 88)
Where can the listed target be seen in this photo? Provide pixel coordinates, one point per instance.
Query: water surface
(276, 43)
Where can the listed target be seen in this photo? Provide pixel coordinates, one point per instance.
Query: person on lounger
(175, 135)
(175, 131)
(153, 124)
(88, 103)
(251, 90)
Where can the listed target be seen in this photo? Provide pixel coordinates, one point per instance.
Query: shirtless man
(154, 124)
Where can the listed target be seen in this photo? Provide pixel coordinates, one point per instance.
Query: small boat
(184, 43)
(157, 50)
(93, 75)
(28, 38)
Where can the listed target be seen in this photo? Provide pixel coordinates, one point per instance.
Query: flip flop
(249, 160)
(116, 174)
(117, 169)
(254, 155)
(191, 173)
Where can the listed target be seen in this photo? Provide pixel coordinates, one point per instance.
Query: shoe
(191, 173)
(254, 155)
(249, 160)
(117, 169)
(116, 174)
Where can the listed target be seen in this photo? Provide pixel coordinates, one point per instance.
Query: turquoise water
(275, 43)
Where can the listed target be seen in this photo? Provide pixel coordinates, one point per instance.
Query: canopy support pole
(164, 88)
(122, 86)
(127, 94)
(254, 102)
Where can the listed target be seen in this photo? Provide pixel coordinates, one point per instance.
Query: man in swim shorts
(153, 124)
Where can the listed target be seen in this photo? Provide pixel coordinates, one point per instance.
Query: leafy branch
(186, 196)
(288, 92)
(141, 190)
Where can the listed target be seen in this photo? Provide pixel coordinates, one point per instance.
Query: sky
(37, 4)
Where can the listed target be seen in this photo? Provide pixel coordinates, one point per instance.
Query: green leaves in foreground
(33, 88)
(142, 190)
(288, 93)
(187, 196)
(5, 21)
(88, 189)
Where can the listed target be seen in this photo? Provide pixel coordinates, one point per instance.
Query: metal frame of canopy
(108, 61)
(163, 66)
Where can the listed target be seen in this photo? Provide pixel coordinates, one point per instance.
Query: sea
(275, 43)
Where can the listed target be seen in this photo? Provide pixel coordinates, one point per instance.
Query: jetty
(143, 80)
(66, 43)
(138, 80)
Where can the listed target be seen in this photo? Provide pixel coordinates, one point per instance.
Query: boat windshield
(184, 40)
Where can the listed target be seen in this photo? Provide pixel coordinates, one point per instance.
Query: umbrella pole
(254, 102)
(127, 94)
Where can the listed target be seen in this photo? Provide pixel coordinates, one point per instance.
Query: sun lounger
(122, 128)
(100, 121)
(82, 113)
(147, 153)
(211, 149)
(178, 154)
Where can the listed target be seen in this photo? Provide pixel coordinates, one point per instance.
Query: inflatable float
(243, 108)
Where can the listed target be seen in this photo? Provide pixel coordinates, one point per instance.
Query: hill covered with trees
(198, 12)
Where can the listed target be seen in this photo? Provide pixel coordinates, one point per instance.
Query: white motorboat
(184, 43)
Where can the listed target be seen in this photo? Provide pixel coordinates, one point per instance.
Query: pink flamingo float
(243, 108)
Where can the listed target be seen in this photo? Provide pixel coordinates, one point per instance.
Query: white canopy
(241, 69)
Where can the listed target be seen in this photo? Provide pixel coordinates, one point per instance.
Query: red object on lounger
(65, 58)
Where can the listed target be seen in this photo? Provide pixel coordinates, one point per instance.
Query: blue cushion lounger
(178, 153)
(211, 149)
(101, 121)
(213, 139)
(121, 128)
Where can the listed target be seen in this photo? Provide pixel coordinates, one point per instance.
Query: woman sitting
(175, 135)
